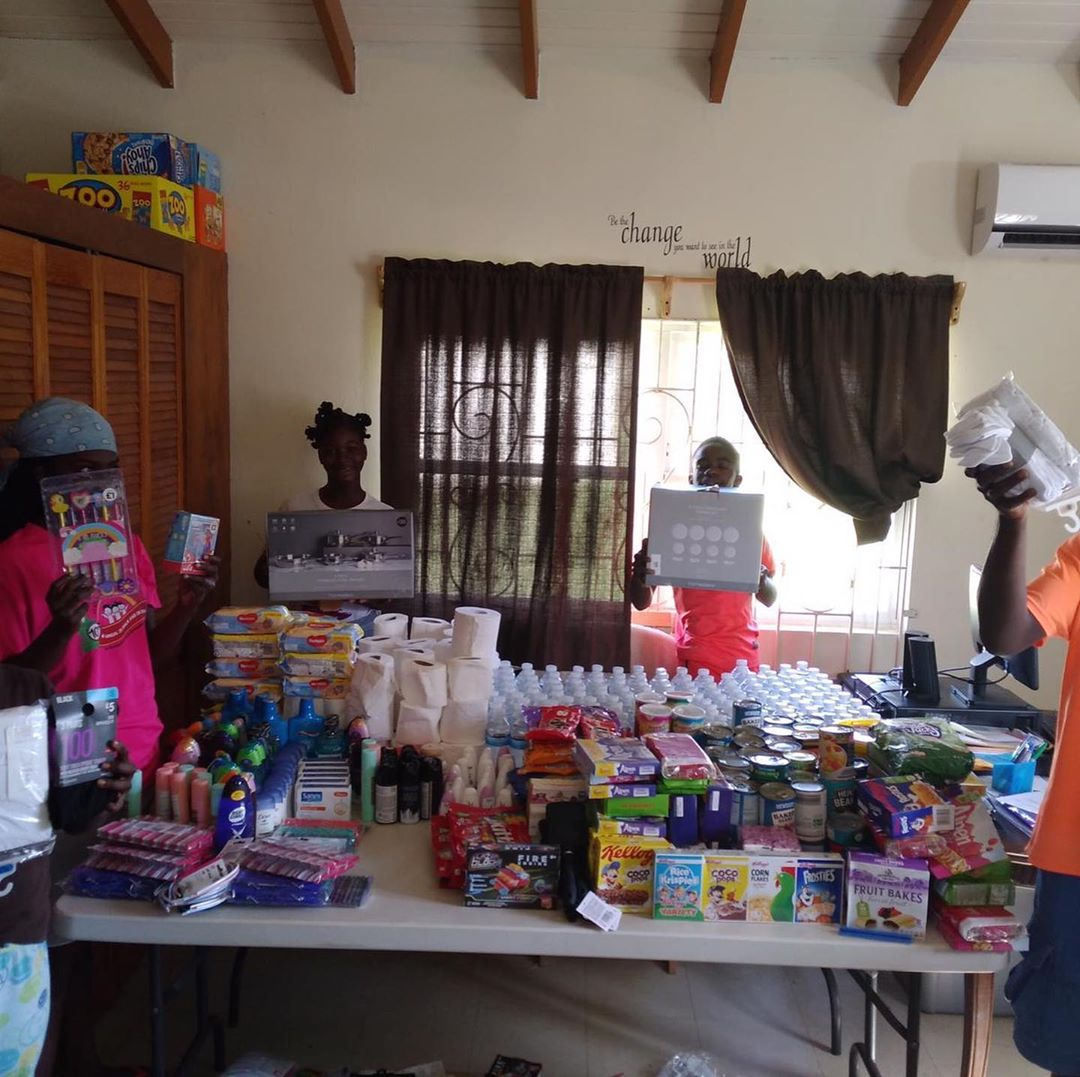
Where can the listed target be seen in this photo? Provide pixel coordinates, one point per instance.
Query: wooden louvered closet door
(106, 332)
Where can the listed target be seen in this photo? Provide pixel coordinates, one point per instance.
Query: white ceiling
(1035, 30)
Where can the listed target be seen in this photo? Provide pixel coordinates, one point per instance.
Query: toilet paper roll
(476, 632)
(394, 625)
(371, 694)
(463, 723)
(423, 682)
(420, 649)
(378, 644)
(468, 680)
(444, 651)
(428, 628)
(417, 725)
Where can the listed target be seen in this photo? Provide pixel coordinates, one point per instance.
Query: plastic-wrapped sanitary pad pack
(1004, 424)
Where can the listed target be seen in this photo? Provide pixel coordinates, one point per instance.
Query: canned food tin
(644, 698)
(747, 710)
(846, 830)
(676, 698)
(810, 811)
(782, 745)
(732, 761)
(745, 803)
(714, 735)
(812, 719)
(837, 748)
(766, 767)
(801, 760)
(747, 737)
(794, 776)
(687, 718)
(777, 726)
(839, 792)
(807, 736)
(653, 718)
(777, 805)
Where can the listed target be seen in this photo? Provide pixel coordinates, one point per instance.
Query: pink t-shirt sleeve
(147, 575)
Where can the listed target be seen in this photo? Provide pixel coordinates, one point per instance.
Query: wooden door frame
(205, 333)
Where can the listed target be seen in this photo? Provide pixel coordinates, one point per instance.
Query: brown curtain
(508, 428)
(846, 381)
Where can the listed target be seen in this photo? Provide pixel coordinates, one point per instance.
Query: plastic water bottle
(497, 732)
(518, 739)
(682, 681)
(661, 682)
(551, 683)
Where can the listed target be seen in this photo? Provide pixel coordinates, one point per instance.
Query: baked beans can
(768, 767)
(687, 718)
(801, 760)
(836, 749)
(653, 718)
(782, 745)
(809, 811)
(777, 805)
(839, 792)
(745, 802)
(747, 711)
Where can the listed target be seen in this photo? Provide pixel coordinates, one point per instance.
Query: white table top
(408, 912)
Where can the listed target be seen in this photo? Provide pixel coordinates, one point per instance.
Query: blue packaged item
(236, 813)
(128, 153)
(306, 726)
(98, 883)
(716, 825)
(261, 888)
(819, 889)
(205, 167)
(683, 820)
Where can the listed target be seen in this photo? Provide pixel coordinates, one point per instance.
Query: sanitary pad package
(1004, 424)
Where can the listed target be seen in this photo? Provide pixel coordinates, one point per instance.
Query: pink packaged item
(133, 861)
(288, 859)
(680, 756)
(958, 942)
(149, 832)
(972, 843)
(599, 722)
(769, 839)
(554, 724)
(980, 924)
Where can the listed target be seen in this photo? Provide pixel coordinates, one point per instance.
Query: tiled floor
(578, 1018)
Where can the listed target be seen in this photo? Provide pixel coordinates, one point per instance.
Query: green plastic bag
(923, 747)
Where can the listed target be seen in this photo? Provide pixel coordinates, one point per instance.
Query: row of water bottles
(798, 689)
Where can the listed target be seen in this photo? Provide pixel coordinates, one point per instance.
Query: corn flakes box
(147, 200)
(622, 870)
(770, 890)
(724, 886)
(209, 218)
(131, 153)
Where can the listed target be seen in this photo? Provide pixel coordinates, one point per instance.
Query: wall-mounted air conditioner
(1027, 208)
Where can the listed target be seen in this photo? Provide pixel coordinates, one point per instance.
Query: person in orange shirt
(1013, 615)
(713, 629)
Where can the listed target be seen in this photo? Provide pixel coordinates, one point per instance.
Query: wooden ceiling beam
(147, 35)
(727, 34)
(339, 41)
(530, 49)
(924, 48)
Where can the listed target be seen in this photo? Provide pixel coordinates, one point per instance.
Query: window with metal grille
(840, 605)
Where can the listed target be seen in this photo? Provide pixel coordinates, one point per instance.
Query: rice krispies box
(622, 870)
(132, 153)
(700, 886)
(888, 895)
(147, 200)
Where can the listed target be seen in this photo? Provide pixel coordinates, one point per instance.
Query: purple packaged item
(615, 759)
(887, 894)
(716, 813)
(683, 820)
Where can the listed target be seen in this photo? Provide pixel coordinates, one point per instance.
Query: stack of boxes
(246, 651)
(154, 179)
(317, 659)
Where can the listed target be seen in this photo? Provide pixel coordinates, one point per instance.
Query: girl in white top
(339, 439)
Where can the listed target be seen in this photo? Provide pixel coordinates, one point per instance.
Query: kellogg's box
(209, 219)
(622, 870)
(819, 889)
(678, 881)
(146, 200)
(125, 153)
(724, 886)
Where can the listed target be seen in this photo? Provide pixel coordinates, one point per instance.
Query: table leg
(234, 986)
(157, 1015)
(836, 1034)
(978, 1023)
(914, 1018)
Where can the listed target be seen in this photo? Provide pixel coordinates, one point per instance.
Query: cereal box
(724, 886)
(205, 168)
(678, 883)
(209, 219)
(133, 153)
(903, 806)
(646, 827)
(621, 789)
(887, 895)
(512, 876)
(147, 200)
(770, 889)
(192, 539)
(615, 760)
(972, 843)
(819, 889)
(622, 870)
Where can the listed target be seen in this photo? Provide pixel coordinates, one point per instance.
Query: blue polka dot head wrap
(57, 426)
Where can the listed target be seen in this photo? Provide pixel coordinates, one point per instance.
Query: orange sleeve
(1053, 597)
(767, 558)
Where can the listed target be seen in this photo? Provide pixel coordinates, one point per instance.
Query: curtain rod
(959, 289)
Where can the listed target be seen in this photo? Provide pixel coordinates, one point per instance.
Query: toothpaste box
(191, 540)
(819, 889)
(902, 806)
(888, 895)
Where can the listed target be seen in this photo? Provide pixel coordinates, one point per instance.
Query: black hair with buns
(330, 415)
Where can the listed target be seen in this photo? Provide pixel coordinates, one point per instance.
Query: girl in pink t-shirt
(41, 609)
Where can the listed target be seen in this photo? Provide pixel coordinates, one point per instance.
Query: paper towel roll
(378, 644)
(371, 694)
(419, 649)
(394, 625)
(468, 680)
(428, 628)
(417, 725)
(476, 632)
(423, 681)
(463, 723)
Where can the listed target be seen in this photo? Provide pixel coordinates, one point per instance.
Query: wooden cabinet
(135, 323)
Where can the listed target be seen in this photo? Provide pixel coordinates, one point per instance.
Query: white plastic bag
(25, 831)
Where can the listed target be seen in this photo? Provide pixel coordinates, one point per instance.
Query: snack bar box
(135, 153)
(147, 200)
(209, 218)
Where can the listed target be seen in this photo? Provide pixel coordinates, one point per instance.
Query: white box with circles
(707, 538)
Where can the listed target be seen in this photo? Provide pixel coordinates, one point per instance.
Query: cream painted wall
(439, 155)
